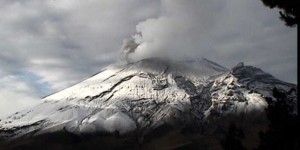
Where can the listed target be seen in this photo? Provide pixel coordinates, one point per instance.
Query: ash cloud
(224, 31)
(129, 46)
(182, 29)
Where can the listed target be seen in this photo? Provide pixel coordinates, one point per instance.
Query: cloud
(57, 43)
(62, 42)
(226, 31)
(16, 94)
(66, 41)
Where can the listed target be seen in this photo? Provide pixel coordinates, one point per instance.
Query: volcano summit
(151, 104)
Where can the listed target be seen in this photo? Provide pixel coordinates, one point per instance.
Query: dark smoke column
(129, 46)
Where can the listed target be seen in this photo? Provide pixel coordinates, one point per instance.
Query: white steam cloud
(227, 32)
(183, 29)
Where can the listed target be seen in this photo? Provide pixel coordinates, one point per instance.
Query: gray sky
(51, 44)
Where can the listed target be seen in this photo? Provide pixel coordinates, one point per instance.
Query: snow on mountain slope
(144, 95)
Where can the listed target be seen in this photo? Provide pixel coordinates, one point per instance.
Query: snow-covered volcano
(137, 98)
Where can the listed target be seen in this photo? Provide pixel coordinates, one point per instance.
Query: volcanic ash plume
(129, 46)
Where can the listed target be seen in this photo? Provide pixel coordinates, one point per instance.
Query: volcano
(151, 104)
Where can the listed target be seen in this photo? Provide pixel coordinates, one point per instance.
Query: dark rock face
(199, 98)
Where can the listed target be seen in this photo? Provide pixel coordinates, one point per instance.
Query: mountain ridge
(141, 97)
